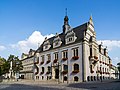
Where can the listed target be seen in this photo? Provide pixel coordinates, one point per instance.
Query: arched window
(88, 78)
(76, 78)
(91, 78)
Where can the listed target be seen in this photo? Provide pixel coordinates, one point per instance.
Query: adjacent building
(28, 64)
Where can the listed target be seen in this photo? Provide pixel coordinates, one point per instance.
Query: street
(30, 85)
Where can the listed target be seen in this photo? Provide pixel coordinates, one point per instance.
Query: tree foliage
(16, 63)
(5, 64)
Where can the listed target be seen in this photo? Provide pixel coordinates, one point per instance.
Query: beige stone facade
(28, 64)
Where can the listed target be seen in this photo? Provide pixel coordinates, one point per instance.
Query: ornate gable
(46, 44)
(70, 37)
(57, 41)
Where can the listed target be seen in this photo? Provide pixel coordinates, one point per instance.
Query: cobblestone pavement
(37, 85)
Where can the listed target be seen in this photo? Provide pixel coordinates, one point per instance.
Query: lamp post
(101, 72)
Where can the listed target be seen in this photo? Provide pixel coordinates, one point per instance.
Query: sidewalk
(32, 82)
(51, 82)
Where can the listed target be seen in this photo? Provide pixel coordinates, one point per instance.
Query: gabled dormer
(70, 37)
(46, 44)
(24, 56)
(57, 41)
(31, 52)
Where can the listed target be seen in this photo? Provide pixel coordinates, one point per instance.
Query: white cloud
(113, 48)
(2, 48)
(110, 44)
(116, 60)
(31, 42)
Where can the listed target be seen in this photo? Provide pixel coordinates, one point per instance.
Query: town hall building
(72, 56)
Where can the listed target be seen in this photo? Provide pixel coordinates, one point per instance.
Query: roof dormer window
(46, 44)
(70, 37)
(57, 41)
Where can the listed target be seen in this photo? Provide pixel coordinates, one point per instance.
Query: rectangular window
(56, 55)
(49, 69)
(43, 69)
(42, 58)
(76, 67)
(90, 51)
(49, 57)
(70, 39)
(75, 52)
(65, 54)
(65, 67)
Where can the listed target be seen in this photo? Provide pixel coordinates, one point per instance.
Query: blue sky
(22, 20)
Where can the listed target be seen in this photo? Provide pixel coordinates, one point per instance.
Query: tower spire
(66, 18)
(91, 20)
(66, 25)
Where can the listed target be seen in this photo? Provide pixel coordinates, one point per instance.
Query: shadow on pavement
(88, 86)
(25, 87)
(112, 85)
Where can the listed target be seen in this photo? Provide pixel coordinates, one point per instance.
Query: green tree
(4, 66)
(16, 63)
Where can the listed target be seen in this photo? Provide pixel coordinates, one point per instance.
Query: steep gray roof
(79, 32)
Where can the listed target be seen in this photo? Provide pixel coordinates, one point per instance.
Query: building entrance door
(56, 73)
